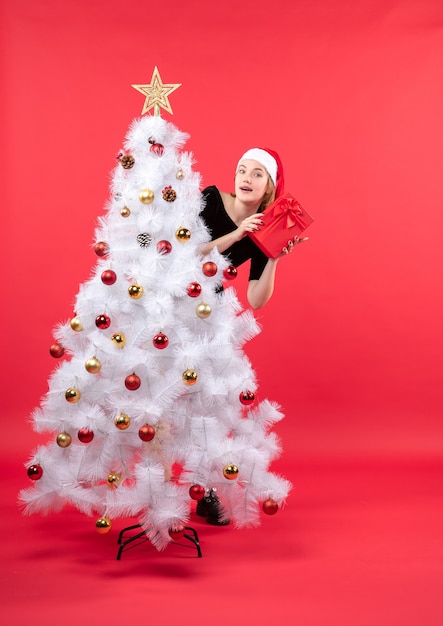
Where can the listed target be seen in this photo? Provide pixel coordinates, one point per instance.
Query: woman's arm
(260, 291)
(248, 225)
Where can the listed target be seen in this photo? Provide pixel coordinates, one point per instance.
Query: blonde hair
(269, 196)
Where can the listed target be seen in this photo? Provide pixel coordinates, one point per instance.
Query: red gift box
(283, 220)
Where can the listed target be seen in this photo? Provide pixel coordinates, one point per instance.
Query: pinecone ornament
(169, 194)
(127, 161)
(144, 239)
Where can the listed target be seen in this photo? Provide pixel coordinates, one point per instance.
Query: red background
(350, 95)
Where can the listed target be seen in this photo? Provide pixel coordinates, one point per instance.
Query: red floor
(357, 545)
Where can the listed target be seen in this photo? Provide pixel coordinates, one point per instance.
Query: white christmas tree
(154, 401)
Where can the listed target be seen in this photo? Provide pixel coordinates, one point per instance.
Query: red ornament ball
(85, 435)
(247, 397)
(146, 432)
(109, 277)
(35, 472)
(230, 272)
(270, 506)
(177, 531)
(160, 341)
(197, 492)
(194, 289)
(164, 247)
(158, 149)
(101, 248)
(56, 350)
(132, 382)
(102, 321)
(209, 268)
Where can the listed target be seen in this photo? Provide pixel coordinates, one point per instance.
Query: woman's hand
(291, 244)
(249, 225)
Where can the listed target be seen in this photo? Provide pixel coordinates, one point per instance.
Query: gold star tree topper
(156, 94)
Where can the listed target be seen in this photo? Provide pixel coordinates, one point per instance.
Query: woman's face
(251, 181)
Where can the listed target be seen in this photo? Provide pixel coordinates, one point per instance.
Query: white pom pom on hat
(271, 161)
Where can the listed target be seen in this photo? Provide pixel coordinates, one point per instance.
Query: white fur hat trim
(263, 157)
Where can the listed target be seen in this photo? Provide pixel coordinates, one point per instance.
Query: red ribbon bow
(290, 209)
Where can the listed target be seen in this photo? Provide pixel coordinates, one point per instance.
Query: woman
(230, 217)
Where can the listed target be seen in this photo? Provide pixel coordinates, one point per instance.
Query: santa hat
(271, 161)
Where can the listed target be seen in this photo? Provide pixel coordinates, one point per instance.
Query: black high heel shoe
(211, 508)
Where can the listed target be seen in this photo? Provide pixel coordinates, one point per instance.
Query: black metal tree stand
(141, 537)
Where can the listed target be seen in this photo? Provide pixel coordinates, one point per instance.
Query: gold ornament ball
(72, 395)
(103, 525)
(119, 339)
(113, 479)
(122, 421)
(125, 211)
(76, 324)
(180, 174)
(203, 310)
(190, 377)
(93, 365)
(64, 440)
(230, 472)
(146, 196)
(135, 291)
(182, 234)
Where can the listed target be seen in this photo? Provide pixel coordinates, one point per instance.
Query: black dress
(219, 223)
